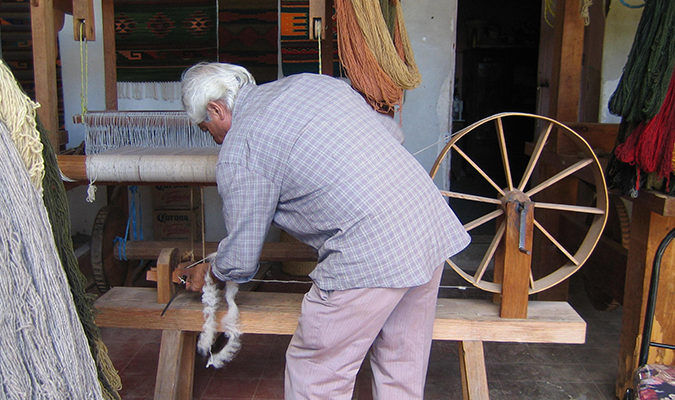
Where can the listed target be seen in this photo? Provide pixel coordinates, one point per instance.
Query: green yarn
(650, 63)
(56, 203)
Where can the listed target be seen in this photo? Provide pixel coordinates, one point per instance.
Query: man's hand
(195, 276)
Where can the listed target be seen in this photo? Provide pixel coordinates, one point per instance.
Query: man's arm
(249, 205)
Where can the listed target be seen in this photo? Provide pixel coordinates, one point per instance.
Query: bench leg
(474, 374)
(175, 370)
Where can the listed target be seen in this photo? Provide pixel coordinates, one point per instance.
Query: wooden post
(560, 72)
(175, 372)
(472, 368)
(516, 275)
(166, 263)
(109, 54)
(44, 66)
(650, 223)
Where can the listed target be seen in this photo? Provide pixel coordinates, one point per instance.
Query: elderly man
(308, 154)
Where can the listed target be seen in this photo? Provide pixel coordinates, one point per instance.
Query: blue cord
(631, 5)
(137, 228)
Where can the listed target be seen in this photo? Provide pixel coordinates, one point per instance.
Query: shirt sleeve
(249, 204)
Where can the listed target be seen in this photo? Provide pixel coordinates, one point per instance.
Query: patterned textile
(248, 34)
(158, 40)
(298, 53)
(655, 382)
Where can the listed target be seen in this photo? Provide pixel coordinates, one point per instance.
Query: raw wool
(45, 354)
(229, 324)
(17, 111)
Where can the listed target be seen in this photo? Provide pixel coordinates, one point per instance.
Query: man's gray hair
(205, 82)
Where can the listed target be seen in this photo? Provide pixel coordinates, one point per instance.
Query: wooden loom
(470, 322)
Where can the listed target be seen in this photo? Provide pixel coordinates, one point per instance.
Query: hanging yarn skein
(379, 61)
(644, 99)
(17, 110)
(645, 77)
(44, 354)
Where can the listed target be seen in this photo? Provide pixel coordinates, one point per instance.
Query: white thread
(164, 164)
(112, 130)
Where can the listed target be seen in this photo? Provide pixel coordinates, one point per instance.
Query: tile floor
(515, 371)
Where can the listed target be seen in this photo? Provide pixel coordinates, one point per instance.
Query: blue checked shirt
(308, 154)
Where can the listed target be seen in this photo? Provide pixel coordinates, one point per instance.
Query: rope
(585, 14)
(84, 69)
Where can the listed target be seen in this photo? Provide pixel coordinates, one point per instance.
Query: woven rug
(298, 53)
(248, 35)
(158, 40)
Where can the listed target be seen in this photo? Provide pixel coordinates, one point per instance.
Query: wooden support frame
(470, 322)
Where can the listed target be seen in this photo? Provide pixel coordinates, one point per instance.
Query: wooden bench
(469, 322)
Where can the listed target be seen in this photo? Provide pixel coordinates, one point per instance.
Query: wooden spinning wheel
(517, 214)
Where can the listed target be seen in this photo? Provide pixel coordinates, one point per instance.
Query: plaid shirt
(308, 154)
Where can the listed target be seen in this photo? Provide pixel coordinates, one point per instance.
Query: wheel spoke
(472, 197)
(569, 207)
(478, 276)
(560, 176)
(477, 168)
(538, 149)
(485, 218)
(556, 243)
(505, 154)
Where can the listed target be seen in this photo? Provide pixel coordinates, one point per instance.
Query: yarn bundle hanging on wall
(645, 99)
(375, 50)
(45, 354)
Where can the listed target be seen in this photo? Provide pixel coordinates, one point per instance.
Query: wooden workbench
(653, 217)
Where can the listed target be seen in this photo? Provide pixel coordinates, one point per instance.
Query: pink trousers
(337, 329)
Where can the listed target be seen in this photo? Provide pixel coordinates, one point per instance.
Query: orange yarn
(362, 67)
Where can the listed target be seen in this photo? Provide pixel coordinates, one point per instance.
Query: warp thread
(229, 324)
(112, 130)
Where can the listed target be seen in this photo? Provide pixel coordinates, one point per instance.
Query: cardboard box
(176, 197)
(178, 224)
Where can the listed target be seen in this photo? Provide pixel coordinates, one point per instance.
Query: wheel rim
(587, 164)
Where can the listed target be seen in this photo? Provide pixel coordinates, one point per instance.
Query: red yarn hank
(650, 145)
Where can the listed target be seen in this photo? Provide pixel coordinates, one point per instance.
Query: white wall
(620, 27)
(427, 110)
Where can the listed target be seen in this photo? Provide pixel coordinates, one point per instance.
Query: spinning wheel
(516, 211)
(108, 271)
